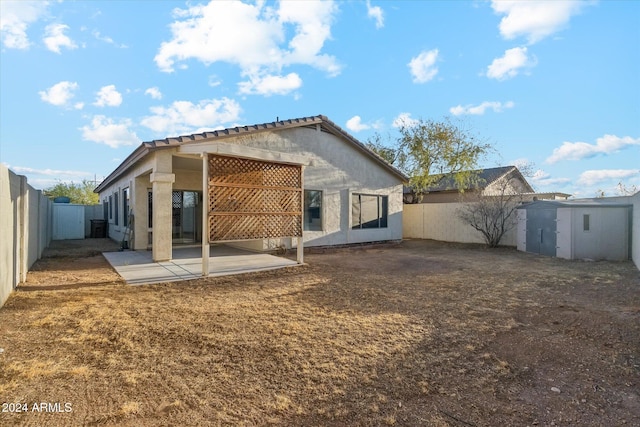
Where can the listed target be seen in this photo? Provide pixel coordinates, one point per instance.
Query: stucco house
(288, 182)
(488, 182)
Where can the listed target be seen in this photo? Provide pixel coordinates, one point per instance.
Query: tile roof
(485, 177)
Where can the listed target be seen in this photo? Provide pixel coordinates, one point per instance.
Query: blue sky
(554, 84)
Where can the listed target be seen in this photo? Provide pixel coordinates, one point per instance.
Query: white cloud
(105, 130)
(153, 92)
(270, 85)
(404, 119)
(183, 116)
(106, 39)
(534, 20)
(510, 64)
(60, 94)
(355, 124)
(15, 18)
(214, 81)
(55, 38)
(376, 13)
(108, 96)
(542, 178)
(48, 172)
(579, 150)
(592, 177)
(219, 31)
(479, 110)
(423, 67)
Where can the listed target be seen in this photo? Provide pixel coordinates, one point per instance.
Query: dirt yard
(416, 334)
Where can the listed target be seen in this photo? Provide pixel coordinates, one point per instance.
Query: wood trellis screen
(251, 199)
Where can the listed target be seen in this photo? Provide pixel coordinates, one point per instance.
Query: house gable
(320, 123)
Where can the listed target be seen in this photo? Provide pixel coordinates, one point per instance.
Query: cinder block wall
(439, 221)
(25, 227)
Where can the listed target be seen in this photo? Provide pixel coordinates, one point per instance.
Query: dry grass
(419, 334)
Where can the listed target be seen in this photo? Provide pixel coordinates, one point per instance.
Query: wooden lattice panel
(251, 199)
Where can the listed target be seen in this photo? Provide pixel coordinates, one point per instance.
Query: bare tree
(493, 215)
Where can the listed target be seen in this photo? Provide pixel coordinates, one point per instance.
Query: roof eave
(335, 129)
(134, 157)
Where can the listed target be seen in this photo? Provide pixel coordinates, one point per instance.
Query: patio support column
(300, 251)
(162, 185)
(140, 214)
(300, 242)
(205, 214)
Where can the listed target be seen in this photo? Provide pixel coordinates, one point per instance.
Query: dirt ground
(416, 334)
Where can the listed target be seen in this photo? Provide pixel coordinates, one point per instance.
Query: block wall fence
(25, 229)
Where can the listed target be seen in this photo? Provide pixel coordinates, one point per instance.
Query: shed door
(541, 231)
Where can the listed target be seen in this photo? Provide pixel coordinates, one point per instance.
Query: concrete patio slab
(138, 268)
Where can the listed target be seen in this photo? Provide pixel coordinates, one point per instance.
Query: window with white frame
(125, 207)
(115, 208)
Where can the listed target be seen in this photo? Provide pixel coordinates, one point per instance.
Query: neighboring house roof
(485, 177)
(326, 125)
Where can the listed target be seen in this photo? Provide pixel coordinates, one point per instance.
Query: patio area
(138, 268)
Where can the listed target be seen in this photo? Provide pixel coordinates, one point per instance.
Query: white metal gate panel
(68, 221)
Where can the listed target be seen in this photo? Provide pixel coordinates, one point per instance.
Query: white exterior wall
(439, 221)
(142, 169)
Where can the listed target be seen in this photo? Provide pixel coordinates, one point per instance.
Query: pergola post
(205, 214)
(300, 243)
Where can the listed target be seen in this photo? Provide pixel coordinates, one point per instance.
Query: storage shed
(576, 229)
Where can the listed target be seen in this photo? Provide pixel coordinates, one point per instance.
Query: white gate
(68, 221)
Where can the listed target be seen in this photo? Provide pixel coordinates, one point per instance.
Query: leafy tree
(382, 149)
(430, 150)
(77, 193)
